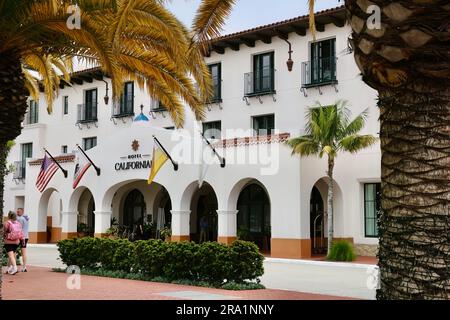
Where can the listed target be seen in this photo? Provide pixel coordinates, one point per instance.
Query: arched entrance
(204, 220)
(86, 217)
(317, 223)
(254, 216)
(162, 215)
(134, 211)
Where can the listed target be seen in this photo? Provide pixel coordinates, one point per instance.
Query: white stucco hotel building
(263, 193)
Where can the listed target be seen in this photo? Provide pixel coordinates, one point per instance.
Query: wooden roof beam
(267, 39)
(248, 42)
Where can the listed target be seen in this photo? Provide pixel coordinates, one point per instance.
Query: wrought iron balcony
(319, 72)
(260, 82)
(123, 109)
(19, 170)
(86, 113)
(157, 106)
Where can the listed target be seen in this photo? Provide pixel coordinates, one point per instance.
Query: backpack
(14, 231)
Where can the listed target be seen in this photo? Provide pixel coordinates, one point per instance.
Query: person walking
(12, 231)
(203, 229)
(24, 221)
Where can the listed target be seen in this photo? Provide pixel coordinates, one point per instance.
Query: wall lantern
(107, 89)
(289, 62)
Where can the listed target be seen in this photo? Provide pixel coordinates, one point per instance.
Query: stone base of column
(55, 234)
(291, 248)
(37, 237)
(101, 235)
(180, 238)
(68, 235)
(226, 240)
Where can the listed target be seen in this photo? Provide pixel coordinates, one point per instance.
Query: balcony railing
(157, 106)
(319, 72)
(260, 82)
(19, 170)
(87, 113)
(123, 109)
(30, 117)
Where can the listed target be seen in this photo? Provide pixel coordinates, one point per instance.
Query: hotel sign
(134, 161)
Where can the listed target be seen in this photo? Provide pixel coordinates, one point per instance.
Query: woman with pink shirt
(12, 231)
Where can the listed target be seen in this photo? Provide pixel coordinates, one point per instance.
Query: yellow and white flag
(159, 158)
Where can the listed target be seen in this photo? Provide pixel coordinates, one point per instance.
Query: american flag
(48, 169)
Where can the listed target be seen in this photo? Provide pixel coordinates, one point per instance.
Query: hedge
(207, 262)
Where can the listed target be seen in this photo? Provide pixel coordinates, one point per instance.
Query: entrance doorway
(317, 223)
(134, 210)
(254, 216)
(86, 217)
(204, 222)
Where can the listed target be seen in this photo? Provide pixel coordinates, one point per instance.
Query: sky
(252, 13)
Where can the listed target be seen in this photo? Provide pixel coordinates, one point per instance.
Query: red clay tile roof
(60, 159)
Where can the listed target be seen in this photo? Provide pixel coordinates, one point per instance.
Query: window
(65, 105)
(33, 113)
(216, 74)
(63, 149)
(323, 61)
(89, 143)
(26, 151)
(372, 207)
(212, 130)
(127, 99)
(263, 73)
(90, 105)
(264, 125)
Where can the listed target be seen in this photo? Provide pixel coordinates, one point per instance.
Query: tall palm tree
(137, 40)
(329, 131)
(407, 61)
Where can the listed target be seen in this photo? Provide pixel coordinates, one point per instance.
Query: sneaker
(13, 271)
(24, 269)
(7, 269)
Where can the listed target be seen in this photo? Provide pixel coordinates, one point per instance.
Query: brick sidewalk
(43, 284)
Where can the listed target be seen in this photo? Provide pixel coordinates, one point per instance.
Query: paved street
(292, 279)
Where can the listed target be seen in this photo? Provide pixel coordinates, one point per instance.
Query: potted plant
(166, 234)
(113, 232)
(82, 229)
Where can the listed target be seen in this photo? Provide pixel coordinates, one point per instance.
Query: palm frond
(304, 146)
(355, 143)
(210, 19)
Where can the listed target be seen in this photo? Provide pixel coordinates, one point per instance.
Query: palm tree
(138, 40)
(329, 131)
(407, 61)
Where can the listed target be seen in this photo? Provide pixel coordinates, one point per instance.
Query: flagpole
(222, 159)
(97, 169)
(57, 163)
(175, 165)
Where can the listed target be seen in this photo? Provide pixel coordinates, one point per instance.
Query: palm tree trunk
(415, 223)
(13, 106)
(330, 203)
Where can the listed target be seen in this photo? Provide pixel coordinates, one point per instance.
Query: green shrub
(245, 261)
(209, 262)
(341, 251)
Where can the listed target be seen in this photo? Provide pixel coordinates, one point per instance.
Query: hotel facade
(263, 193)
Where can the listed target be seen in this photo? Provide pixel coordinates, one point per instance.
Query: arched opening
(204, 220)
(86, 216)
(162, 207)
(317, 223)
(254, 216)
(134, 210)
(139, 211)
(48, 209)
(319, 215)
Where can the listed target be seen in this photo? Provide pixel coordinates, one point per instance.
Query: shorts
(11, 247)
(23, 244)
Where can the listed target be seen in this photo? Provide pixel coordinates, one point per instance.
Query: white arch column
(180, 225)
(102, 223)
(227, 233)
(69, 225)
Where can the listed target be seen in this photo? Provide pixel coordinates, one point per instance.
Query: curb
(47, 245)
(321, 263)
